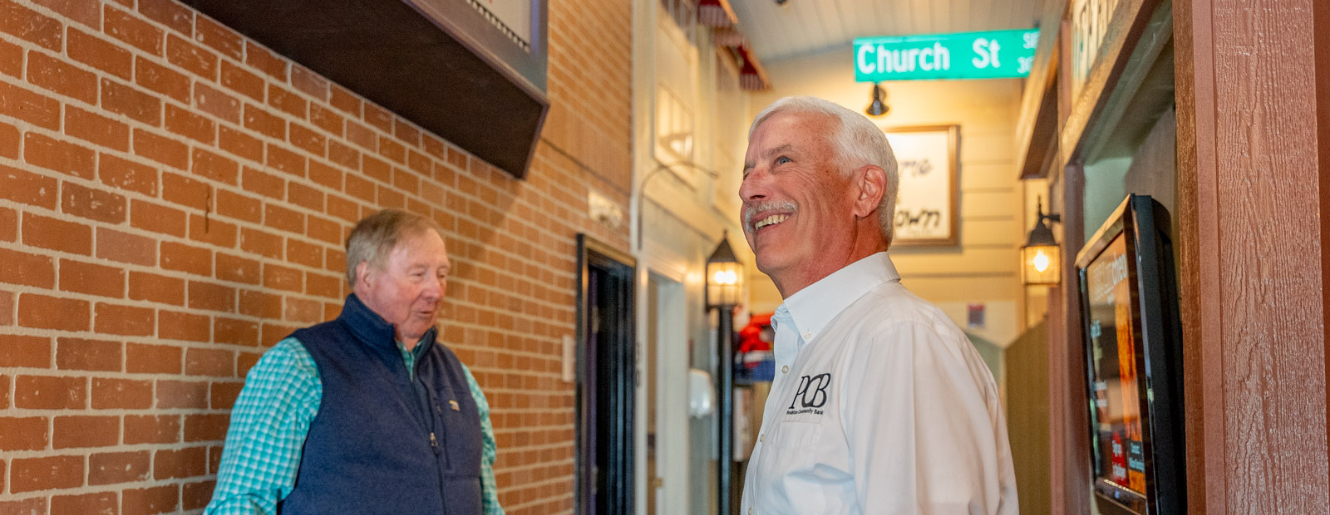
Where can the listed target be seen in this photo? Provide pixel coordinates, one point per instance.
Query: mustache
(766, 205)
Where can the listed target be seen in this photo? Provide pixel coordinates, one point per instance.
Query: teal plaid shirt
(268, 427)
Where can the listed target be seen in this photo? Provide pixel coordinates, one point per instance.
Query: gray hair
(858, 142)
(374, 237)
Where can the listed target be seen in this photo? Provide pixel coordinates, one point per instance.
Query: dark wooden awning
(438, 63)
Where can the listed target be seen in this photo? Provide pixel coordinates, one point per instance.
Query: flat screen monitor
(1132, 343)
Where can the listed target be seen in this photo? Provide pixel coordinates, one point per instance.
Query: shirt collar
(813, 307)
(373, 330)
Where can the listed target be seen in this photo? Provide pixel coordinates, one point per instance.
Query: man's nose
(753, 186)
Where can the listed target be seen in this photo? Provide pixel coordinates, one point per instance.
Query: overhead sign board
(970, 55)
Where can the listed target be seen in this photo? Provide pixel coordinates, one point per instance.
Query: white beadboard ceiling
(802, 27)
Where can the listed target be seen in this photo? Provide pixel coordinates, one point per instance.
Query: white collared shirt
(880, 405)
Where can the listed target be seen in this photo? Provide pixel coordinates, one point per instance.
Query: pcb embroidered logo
(810, 396)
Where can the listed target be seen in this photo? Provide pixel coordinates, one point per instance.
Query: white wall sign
(926, 206)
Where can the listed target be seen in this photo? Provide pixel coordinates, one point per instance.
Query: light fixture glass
(724, 276)
(1042, 256)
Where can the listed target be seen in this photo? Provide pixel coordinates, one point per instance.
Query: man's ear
(363, 271)
(870, 184)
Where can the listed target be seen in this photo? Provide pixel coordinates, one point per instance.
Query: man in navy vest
(368, 413)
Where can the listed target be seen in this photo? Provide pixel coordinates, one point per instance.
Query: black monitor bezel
(1157, 339)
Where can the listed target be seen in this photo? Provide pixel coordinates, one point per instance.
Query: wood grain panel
(1274, 385)
(1321, 20)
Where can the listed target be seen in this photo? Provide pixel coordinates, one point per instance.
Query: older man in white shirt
(880, 405)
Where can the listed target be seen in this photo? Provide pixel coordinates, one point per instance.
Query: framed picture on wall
(927, 212)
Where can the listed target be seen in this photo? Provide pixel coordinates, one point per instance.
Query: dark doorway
(606, 385)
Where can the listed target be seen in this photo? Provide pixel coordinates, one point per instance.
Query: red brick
(391, 149)
(84, 354)
(34, 392)
(93, 204)
(62, 78)
(216, 103)
(126, 248)
(136, 32)
(162, 149)
(211, 297)
(242, 81)
(190, 125)
(161, 79)
(283, 219)
(246, 360)
(263, 122)
(323, 285)
(178, 17)
(26, 269)
(6, 317)
(261, 243)
(152, 429)
(43, 312)
(98, 502)
(406, 181)
(8, 224)
(83, 431)
(237, 269)
(325, 230)
(45, 473)
(30, 506)
(60, 156)
(235, 331)
(326, 119)
(286, 161)
(152, 359)
(124, 99)
(379, 117)
(344, 100)
(420, 163)
(343, 155)
(99, 53)
(27, 187)
(286, 101)
(307, 139)
(309, 82)
(157, 218)
(124, 320)
(260, 304)
(361, 136)
(238, 206)
(110, 393)
(117, 467)
(127, 175)
(150, 501)
(182, 394)
(11, 63)
(303, 311)
(9, 137)
(194, 496)
(97, 129)
(92, 279)
(183, 326)
(157, 288)
(240, 144)
(24, 351)
(303, 253)
(208, 362)
(224, 394)
(187, 462)
(269, 335)
(34, 108)
(406, 132)
(212, 231)
(263, 183)
(186, 191)
(54, 234)
(326, 176)
(265, 60)
(219, 37)
(4, 404)
(377, 169)
(87, 12)
(29, 25)
(202, 428)
(186, 258)
(23, 434)
(283, 278)
(361, 188)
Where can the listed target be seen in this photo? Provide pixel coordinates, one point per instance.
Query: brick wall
(173, 200)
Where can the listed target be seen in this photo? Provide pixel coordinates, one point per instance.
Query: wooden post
(1251, 169)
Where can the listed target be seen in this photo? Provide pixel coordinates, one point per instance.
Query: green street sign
(971, 55)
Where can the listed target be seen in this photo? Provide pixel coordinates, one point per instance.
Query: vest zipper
(432, 441)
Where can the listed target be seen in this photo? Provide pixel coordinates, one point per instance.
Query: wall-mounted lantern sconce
(878, 106)
(1041, 254)
(724, 283)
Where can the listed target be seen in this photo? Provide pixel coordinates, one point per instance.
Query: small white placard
(569, 359)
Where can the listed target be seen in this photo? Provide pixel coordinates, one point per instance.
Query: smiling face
(407, 288)
(802, 216)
